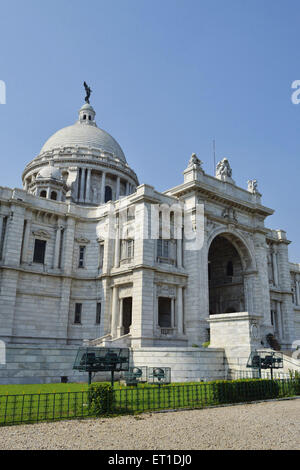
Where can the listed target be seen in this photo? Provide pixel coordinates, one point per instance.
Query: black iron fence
(33, 408)
(234, 374)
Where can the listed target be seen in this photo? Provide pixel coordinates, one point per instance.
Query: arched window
(43, 193)
(108, 193)
(84, 117)
(229, 269)
(53, 195)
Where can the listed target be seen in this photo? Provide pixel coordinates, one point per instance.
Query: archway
(228, 260)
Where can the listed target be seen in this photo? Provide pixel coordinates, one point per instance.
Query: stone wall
(37, 364)
(187, 364)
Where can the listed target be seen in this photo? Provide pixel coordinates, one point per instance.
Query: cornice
(215, 194)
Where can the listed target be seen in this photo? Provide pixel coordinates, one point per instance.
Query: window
(39, 251)
(229, 268)
(2, 235)
(43, 193)
(101, 255)
(61, 248)
(108, 193)
(81, 257)
(78, 310)
(53, 195)
(84, 117)
(130, 248)
(127, 249)
(164, 312)
(163, 248)
(98, 314)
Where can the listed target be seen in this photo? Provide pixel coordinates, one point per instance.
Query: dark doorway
(127, 314)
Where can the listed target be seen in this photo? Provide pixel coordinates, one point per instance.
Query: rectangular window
(81, 257)
(164, 312)
(163, 248)
(61, 249)
(101, 255)
(98, 314)
(39, 251)
(2, 236)
(78, 310)
(130, 248)
(127, 249)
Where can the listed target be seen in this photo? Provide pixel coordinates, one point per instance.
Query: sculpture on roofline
(88, 92)
(195, 161)
(223, 168)
(253, 186)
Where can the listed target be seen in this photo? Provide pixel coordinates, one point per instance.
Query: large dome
(84, 133)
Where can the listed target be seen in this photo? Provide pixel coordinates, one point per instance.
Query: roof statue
(253, 186)
(195, 161)
(223, 168)
(88, 92)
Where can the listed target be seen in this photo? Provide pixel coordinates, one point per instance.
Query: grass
(42, 388)
(56, 388)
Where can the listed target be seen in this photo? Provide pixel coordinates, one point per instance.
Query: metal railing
(235, 374)
(33, 408)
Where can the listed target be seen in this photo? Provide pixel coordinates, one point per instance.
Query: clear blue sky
(168, 77)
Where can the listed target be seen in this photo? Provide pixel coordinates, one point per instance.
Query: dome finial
(88, 92)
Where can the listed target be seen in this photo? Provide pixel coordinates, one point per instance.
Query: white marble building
(78, 261)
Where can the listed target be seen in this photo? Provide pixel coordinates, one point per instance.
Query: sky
(168, 77)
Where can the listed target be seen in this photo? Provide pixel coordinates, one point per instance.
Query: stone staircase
(108, 342)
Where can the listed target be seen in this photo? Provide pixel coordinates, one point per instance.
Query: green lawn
(42, 388)
(51, 388)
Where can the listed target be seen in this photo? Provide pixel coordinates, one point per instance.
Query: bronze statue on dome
(88, 92)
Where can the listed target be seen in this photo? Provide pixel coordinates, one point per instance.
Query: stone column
(275, 267)
(75, 193)
(103, 187)
(82, 181)
(26, 240)
(179, 253)
(120, 327)
(155, 302)
(1, 225)
(67, 263)
(179, 311)
(118, 188)
(88, 186)
(48, 192)
(172, 312)
(13, 238)
(57, 246)
(279, 320)
(117, 248)
(114, 310)
(297, 292)
(249, 292)
(127, 188)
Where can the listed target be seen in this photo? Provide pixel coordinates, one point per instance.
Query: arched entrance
(228, 262)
